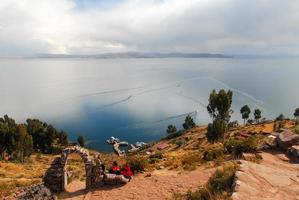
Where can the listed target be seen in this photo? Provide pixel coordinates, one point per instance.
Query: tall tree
(257, 115)
(62, 138)
(189, 123)
(296, 113)
(81, 141)
(219, 108)
(245, 112)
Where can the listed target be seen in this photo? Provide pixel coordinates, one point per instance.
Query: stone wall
(56, 176)
(34, 192)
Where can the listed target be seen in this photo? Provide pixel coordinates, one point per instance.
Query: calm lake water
(135, 99)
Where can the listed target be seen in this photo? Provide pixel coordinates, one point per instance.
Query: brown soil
(162, 184)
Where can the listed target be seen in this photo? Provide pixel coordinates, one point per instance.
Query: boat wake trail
(192, 99)
(150, 124)
(111, 91)
(114, 103)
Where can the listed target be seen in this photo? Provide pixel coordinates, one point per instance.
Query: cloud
(87, 27)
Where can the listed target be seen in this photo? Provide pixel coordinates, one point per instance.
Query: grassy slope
(184, 153)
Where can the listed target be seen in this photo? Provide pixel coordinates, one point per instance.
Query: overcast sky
(96, 26)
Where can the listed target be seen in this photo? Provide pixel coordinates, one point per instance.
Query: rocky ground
(161, 184)
(276, 177)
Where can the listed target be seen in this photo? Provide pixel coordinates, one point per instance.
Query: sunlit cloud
(89, 27)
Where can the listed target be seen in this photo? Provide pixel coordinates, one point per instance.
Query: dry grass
(17, 175)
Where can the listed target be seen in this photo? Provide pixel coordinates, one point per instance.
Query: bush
(189, 161)
(213, 153)
(180, 143)
(219, 186)
(171, 129)
(238, 147)
(155, 157)
(137, 163)
(173, 135)
(233, 124)
(223, 179)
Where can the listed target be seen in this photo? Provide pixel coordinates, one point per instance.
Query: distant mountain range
(135, 55)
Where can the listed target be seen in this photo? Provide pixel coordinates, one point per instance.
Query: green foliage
(219, 108)
(280, 117)
(219, 186)
(155, 157)
(81, 141)
(216, 130)
(179, 143)
(233, 124)
(220, 104)
(245, 112)
(250, 121)
(62, 138)
(173, 135)
(19, 140)
(189, 123)
(296, 113)
(238, 147)
(171, 129)
(137, 163)
(222, 180)
(257, 115)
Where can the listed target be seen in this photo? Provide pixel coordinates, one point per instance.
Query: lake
(135, 99)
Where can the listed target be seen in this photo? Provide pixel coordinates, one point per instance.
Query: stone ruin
(56, 176)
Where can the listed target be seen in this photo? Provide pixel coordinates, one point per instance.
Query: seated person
(126, 171)
(115, 169)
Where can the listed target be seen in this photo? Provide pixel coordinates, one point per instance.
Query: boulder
(294, 150)
(287, 139)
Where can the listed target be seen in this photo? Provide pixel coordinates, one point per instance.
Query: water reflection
(135, 99)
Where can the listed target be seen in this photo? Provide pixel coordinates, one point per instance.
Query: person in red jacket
(126, 171)
(115, 168)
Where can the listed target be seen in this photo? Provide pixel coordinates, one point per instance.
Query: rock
(148, 175)
(161, 167)
(294, 150)
(287, 139)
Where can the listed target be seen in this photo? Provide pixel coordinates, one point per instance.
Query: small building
(162, 146)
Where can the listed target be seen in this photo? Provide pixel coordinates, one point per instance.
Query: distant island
(135, 55)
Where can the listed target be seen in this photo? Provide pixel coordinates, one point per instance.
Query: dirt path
(274, 178)
(160, 185)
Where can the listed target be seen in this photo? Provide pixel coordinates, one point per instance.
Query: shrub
(233, 124)
(190, 161)
(173, 135)
(219, 186)
(213, 153)
(223, 179)
(280, 117)
(180, 143)
(158, 155)
(171, 129)
(137, 163)
(155, 157)
(238, 147)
